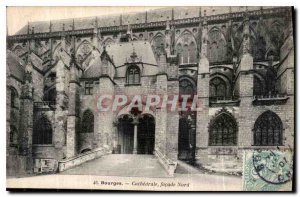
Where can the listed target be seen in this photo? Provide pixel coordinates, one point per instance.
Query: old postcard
(150, 98)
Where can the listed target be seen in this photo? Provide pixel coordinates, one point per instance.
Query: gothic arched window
(186, 48)
(179, 51)
(268, 130)
(87, 122)
(133, 75)
(192, 53)
(42, 131)
(185, 53)
(216, 46)
(223, 131)
(217, 88)
(158, 45)
(186, 87)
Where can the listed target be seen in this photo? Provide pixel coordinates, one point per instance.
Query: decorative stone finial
(168, 25)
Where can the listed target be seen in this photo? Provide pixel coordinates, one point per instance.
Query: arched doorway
(187, 121)
(140, 143)
(187, 136)
(146, 134)
(42, 131)
(125, 134)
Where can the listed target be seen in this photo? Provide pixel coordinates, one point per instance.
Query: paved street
(129, 171)
(121, 165)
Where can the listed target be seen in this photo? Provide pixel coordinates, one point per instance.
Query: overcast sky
(17, 17)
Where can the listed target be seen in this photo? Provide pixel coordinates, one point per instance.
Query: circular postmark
(272, 166)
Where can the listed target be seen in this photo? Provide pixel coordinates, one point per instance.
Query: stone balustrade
(168, 164)
(82, 158)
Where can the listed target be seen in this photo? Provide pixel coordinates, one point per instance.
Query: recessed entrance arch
(125, 134)
(146, 134)
(136, 134)
(187, 121)
(187, 136)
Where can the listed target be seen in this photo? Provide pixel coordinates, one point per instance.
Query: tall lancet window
(217, 89)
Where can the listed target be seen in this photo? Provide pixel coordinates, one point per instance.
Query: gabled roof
(94, 70)
(120, 53)
(14, 65)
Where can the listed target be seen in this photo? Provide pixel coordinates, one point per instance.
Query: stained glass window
(186, 49)
(268, 130)
(87, 122)
(223, 131)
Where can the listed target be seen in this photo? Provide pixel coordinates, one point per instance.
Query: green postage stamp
(267, 170)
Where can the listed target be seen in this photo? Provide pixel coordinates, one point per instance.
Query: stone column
(161, 116)
(172, 124)
(104, 132)
(26, 122)
(96, 34)
(73, 109)
(135, 123)
(202, 117)
(286, 82)
(244, 89)
(60, 116)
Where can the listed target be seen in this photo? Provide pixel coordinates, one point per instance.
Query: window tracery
(133, 75)
(268, 130)
(223, 131)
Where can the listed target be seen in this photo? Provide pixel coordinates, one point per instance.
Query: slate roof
(122, 51)
(94, 70)
(15, 67)
(154, 15)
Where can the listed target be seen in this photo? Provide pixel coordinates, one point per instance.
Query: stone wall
(71, 101)
(161, 118)
(105, 130)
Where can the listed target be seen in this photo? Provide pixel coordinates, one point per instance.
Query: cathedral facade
(238, 61)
